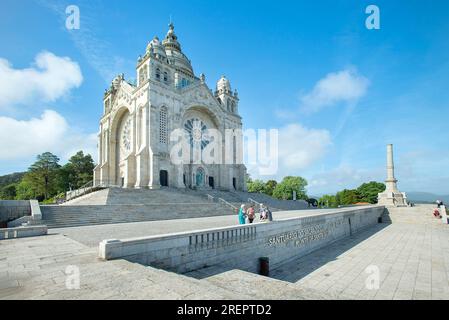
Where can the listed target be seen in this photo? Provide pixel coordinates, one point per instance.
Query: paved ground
(92, 235)
(412, 260)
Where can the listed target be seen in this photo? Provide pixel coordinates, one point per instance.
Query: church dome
(174, 53)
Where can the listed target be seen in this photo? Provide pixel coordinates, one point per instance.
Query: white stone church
(134, 140)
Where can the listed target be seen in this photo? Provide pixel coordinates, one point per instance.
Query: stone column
(391, 182)
(391, 196)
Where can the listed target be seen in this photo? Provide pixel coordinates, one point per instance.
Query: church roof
(169, 50)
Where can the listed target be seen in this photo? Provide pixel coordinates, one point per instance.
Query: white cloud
(93, 48)
(343, 86)
(50, 78)
(343, 177)
(24, 139)
(300, 147)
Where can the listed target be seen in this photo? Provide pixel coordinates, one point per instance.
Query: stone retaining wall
(14, 209)
(240, 247)
(22, 232)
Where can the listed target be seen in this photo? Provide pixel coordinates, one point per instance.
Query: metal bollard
(264, 266)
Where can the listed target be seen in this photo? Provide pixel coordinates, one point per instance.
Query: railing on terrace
(87, 188)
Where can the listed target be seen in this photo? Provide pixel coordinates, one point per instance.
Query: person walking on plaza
(251, 213)
(262, 212)
(269, 214)
(242, 214)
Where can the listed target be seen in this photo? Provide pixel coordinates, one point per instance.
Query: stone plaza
(409, 248)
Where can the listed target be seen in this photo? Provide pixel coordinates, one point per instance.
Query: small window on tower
(165, 76)
(141, 76)
(158, 74)
(163, 131)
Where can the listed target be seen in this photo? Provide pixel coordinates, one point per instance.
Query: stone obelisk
(391, 196)
(391, 181)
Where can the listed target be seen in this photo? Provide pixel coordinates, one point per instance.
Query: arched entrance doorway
(211, 182)
(199, 177)
(163, 174)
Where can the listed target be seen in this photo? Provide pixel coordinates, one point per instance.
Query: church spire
(171, 40)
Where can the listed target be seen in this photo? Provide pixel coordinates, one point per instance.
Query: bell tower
(225, 96)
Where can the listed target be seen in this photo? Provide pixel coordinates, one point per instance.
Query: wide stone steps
(272, 202)
(121, 205)
(112, 196)
(420, 214)
(70, 216)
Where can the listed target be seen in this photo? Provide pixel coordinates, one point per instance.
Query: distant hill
(10, 178)
(426, 197)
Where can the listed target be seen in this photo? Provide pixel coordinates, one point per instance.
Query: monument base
(392, 199)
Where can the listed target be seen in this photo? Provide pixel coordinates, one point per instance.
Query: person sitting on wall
(436, 213)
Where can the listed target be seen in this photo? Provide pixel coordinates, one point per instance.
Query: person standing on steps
(242, 214)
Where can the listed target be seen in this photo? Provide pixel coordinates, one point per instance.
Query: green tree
(256, 186)
(369, 191)
(348, 197)
(77, 172)
(42, 175)
(8, 192)
(27, 190)
(284, 190)
(328, 201)
(270, 185)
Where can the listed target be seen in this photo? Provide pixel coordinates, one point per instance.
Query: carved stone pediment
(200, 95)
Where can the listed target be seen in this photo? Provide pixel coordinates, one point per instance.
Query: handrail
(77, 192)
(253, 201)
(221, 200)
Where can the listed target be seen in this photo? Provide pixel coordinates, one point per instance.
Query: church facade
(134, 141)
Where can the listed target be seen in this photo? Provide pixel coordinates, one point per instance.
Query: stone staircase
(81, 215)
(121, 196)
(119, 205)
(237, 198)
(419, 214)
(274, 204)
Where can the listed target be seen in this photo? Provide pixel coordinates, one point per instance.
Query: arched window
(158, 74)
(163, 131)
(165, 76)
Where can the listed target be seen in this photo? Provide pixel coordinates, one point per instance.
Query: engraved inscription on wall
(305, 235)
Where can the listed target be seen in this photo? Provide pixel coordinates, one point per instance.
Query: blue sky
(337, 91)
